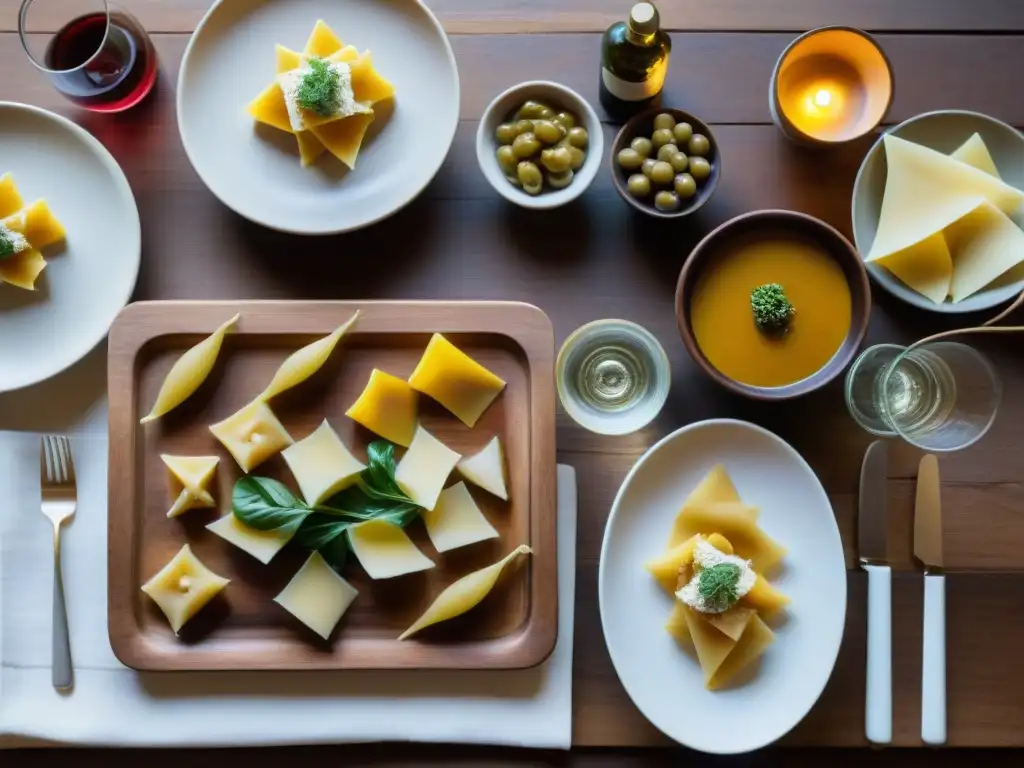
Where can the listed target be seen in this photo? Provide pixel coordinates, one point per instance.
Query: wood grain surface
(595, 259)
(244, 629)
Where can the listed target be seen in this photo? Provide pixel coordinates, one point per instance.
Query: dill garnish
(772, 310)
(719, 586)
(320, 89)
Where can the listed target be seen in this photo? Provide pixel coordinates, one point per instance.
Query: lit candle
(830, 85)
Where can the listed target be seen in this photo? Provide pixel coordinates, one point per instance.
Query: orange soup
(723, 321)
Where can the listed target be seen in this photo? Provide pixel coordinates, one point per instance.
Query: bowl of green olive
(539, 144)
(665, 162)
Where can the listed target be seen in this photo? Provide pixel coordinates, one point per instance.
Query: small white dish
(664, 680)
(558, 97)
(91, 275)
(255, 170)
(943, 131)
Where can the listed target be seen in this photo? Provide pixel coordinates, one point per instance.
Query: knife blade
(928, 549)
(872, 530)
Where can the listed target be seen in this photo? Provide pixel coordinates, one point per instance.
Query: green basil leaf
(324, 533)
(267, 505)
(378, 479)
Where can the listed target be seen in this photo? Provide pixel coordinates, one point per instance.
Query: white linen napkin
(115, 706)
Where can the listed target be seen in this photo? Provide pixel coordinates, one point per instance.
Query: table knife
(872, 530)
(928, 549)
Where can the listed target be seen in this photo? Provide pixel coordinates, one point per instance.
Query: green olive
(578, 137)
(524, 126)
(664, 120)
(666, 201)
(629, 159)
(526, 145)
(507, 159)
(560, 180)
(547, 131)
(685, 186)
(639, 186)
(679, 162)
(698, 144)
(557, 159)
(666, 151)
(647, 166)
(531, 110)
(546, 113)
(662, 137)
(530, 177)
(513, 179)
(578, 155)
(700, 168)
(506, 133)
(682, 133)
(642, 146)
(662, 173)
(568, 119)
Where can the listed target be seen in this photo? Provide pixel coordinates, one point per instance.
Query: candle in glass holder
(831, 85)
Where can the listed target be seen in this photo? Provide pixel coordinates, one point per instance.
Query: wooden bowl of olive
(539, 144)
(665, 163)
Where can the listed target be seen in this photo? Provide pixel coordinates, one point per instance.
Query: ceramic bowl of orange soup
(823, 280)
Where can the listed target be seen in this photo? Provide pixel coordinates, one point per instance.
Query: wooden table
(595, 259)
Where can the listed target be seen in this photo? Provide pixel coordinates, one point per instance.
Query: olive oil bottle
(634, 60)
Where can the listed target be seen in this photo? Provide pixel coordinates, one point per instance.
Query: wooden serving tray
(514, 627)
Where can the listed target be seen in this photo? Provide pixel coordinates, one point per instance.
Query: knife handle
(933, 661)
(878, 701)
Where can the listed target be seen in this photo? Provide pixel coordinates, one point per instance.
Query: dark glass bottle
(634, 60)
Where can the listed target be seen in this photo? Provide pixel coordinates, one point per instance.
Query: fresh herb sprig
(268, 505)
(772, 310)
(320, 89)
(6, 244)
(719, 586)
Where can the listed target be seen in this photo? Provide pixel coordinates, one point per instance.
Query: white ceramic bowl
(665, 680)
(943, 131)
(558, 97)
(255, 169)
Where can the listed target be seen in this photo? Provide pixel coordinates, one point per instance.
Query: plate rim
(890, 283)
(605, 546)
(117, 175)
(328, 230)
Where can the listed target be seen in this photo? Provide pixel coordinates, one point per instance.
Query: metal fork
(60, 497)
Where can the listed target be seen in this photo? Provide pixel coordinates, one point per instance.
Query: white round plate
(943, 131)
(663, 679)
(90, 277)
(255, 170)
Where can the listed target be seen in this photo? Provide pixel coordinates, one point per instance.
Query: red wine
(105, 69)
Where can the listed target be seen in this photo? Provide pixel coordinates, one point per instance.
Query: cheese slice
(252, 435)
(668, 567)
(456, 521)
(37, 224)
(975, 153)
(322, 40)
(387, 406)
(926, 267)
(711, 645)
(985, 244)
(183, 587)
(486, 469)
(385, 550)
(715, 488)
(755, 640)
(310, 148)
(732, 622)
(464, 594)
(303, 363)
(188, 373)
(192, 474)
(262, 545)
(676, 624)
(344, 138)
(317, 596)
(22, 269)
(10, 198)
(926, 191)
(455, 380)
(424, 468)
(322, 465)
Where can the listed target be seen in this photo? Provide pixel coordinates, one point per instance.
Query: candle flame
(823, 97)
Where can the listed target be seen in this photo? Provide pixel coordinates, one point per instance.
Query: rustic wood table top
(596, 258)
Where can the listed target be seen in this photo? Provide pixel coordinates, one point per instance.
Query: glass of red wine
(100, 57)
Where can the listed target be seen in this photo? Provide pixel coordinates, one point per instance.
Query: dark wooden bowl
(791, 223)
(641, 124)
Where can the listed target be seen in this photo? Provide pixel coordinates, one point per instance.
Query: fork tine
(69, 462)
(51, 465)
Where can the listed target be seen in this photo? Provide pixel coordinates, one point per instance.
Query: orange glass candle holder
(831, 85)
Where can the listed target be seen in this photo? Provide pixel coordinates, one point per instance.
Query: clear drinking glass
(100, 57)
(612, 376)
(938, 396)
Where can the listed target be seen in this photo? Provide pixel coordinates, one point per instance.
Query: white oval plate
(663, 679)
(256, 171)
(89, 278)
